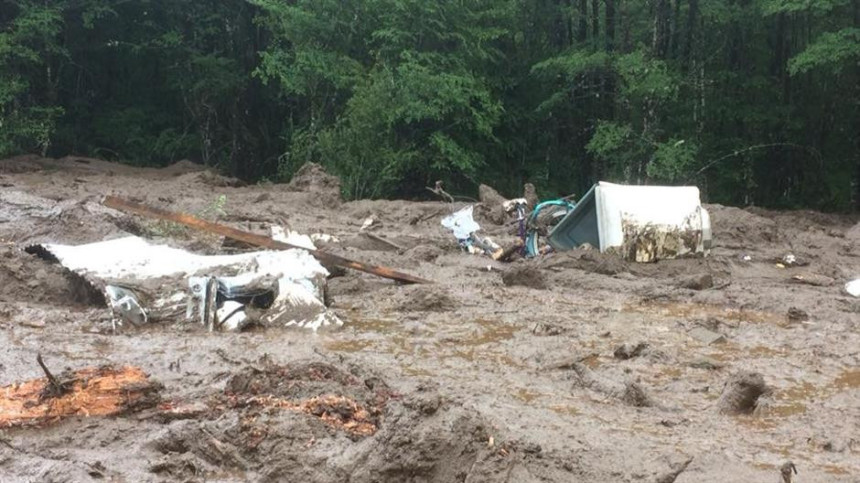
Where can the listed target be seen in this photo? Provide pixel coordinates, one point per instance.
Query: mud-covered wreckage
(641, 223)
(143, 282)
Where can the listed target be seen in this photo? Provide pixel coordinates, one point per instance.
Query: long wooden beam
(253, 238)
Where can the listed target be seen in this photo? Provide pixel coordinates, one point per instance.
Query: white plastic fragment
(293, 238)
(853, 288)
(461, 223)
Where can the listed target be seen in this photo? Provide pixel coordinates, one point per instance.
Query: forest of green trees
(755, 101)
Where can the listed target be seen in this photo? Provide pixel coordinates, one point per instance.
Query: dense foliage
(756, 101)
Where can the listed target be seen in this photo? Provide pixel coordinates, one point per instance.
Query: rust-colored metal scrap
(254, 239)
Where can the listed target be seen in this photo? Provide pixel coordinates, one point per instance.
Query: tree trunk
(692, 20)
(660, 40)
(610, 25)
(673, 27)
(583, 20)
(595, 19)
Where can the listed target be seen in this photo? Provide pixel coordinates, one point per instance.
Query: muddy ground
(574, 367)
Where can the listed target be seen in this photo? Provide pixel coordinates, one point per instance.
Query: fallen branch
(55, 388)
(383, 241)
(438, 191)
(254, 239)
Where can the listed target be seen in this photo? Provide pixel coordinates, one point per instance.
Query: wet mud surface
(573, 367)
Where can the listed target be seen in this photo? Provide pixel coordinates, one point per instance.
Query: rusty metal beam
(253, 239)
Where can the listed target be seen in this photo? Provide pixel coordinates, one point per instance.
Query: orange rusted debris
(101, 391)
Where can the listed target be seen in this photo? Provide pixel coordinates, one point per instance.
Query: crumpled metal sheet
(143, 282)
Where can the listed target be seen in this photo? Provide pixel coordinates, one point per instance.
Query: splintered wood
(99, 391)
(336, 411)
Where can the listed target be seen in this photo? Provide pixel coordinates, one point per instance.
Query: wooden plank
(254, 239)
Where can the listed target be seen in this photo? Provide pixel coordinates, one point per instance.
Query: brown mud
(496, 372)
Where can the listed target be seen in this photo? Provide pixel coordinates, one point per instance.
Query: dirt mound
(425, 253)
(25, 163)
(302, 380)
(183, 166)
(526, 276)
(426, 298)
(312, 178)
(292, 420)
(27, 277)
(590, 260)
(491, 208)
(737, 228)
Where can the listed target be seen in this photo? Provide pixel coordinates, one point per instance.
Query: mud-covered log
(89, 392)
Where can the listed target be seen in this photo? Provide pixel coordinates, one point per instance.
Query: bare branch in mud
(55, 388)
(440, 192)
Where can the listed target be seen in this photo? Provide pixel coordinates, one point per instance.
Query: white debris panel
(143, 282)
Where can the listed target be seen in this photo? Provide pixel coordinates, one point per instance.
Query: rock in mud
(492, 203)
(706, 336)
(701, 281)
(797, 315)
(741, 393)
(628, 392)
(629, 351)
(525, 276)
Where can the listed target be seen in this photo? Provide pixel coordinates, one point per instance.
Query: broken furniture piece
(643, 223)
(142, 282)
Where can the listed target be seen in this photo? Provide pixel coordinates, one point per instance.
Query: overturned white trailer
(642, 223)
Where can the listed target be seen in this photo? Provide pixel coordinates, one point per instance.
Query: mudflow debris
(448, 381)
